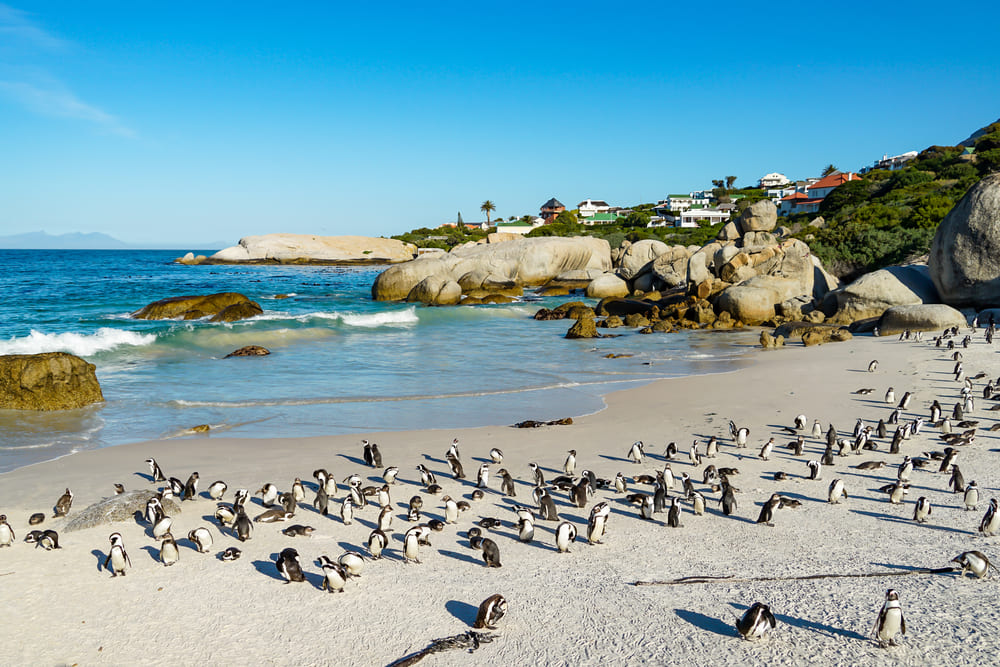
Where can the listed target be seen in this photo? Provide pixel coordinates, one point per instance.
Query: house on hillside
(773, 180)
(519, 226)
(692, 217)
(551, 209)
(808, 199)
(606, 218)
(591, 207)
(469, 226)
(891, 163)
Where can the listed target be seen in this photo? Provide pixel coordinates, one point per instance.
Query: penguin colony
(602, 502)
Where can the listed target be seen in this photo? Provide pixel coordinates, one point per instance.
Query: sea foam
(84, 345)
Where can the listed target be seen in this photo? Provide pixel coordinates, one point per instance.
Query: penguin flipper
(770, 618)
(107, 561)
(902, 622)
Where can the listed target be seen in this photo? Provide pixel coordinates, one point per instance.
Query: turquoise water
(340, 362)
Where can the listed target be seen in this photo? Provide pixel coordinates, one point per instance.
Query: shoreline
(588, 594)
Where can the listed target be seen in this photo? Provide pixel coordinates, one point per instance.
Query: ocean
(340, 362)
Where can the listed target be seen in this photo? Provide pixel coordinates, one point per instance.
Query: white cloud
(53, 99)
(16, 26)
(34, 88)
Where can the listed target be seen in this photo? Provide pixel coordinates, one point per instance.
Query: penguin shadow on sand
(463, 611)
(708, 623)
(100, 556)
(468, 557)
(957, 573)
(909, 521)
(806, 624)
(620, 459)
(154, 552)
(145, 476)
(354, 459)
(800, 496)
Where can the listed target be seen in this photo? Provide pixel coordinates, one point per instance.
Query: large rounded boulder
(921, 317)
(873, 293)
(760, 216)
(608, 285)
(221, 307)
(48, 381)
(638, 256)
(964, 260)
(436, 290)
(751, 305)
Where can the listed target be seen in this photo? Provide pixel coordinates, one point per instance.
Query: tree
(719, 183)
(830, 169)
(729, 182)
(488, 207)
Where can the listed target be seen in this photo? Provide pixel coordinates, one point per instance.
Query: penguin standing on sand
(191, 488)
(597, 523)
(491, 610)
(288, 565)
(202, 539)
(411, 545)
(426, 476)
(975, 562)
(712, 448)
(837, 492)
(922, 510)
(814, 468)
(674, 515)
(483, 478)
(155, 471)
(817, 429)
(971, 496)
(268, 494)
(539, 477)
(890, 622)
(755, 621)
(334, 575)
(169, 554)
(366, 454)
(698, 504)
(322, 501)
(728, 499)
(569, 466)
(766, 516)
(242, 526)
(765, 451)
(377, 541)
(990, 525)
(547, 508)
(64, 503)
(6, 532)
(565, 536)
(117, 556)
(496, 455)
(635, 452)
(217, 490)
(506, 483)
(457, 471)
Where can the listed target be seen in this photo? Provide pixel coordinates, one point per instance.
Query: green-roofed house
(608, 218)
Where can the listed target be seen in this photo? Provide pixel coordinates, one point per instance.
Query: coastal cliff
(309, 249)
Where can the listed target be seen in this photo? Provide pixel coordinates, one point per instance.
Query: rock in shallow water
(48, 381)
(222, 307)
(249, 351)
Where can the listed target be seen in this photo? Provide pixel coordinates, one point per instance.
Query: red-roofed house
(825, 185)
(809, 201)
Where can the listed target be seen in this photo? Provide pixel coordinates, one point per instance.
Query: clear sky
(182, 123)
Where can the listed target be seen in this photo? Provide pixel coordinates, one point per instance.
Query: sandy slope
(578, 608)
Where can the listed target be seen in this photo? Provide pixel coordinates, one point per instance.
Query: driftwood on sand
(467, 641)
(708, 579)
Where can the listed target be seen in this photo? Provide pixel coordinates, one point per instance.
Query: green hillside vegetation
(889, 217)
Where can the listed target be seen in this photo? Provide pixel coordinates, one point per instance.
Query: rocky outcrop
(671, 266)
(309, 249)
(249, 351)
(49, 381)
(121, 507)
(221, 307)
(751, 305)
(436, 290)
(964, 260)
(585, 327)
(608, 285)
(760, 216)
(638, 255)
(519, 263)
(921, 317)
(873, 293)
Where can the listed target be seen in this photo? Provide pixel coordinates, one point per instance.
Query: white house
(519, 226)
(592, 207)
(773, 180)
(891, 163)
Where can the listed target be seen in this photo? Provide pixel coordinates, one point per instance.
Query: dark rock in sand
(121, 507)
(530, 423)
(48, 381)
(249, 351)
(583, 328)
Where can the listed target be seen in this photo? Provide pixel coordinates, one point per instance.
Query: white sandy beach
(572, 609)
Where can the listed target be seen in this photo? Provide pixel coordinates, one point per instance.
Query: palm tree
(488, 206)
(729, 182)
(830, 169)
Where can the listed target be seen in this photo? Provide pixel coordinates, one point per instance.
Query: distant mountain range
(86, 241)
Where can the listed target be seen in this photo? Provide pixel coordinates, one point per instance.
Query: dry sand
(573, 609)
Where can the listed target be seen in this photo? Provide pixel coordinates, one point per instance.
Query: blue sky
(203, 122)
